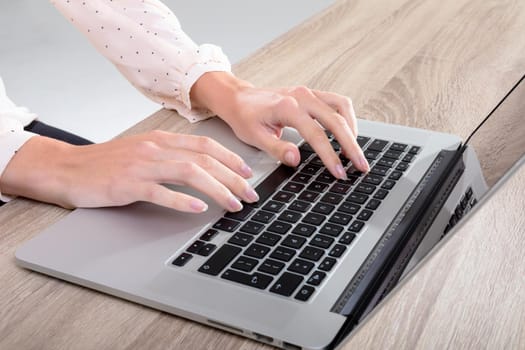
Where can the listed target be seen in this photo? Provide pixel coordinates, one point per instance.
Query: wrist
(218, 92)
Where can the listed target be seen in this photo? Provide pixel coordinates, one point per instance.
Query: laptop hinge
(385, 264)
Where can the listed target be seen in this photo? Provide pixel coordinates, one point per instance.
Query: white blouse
(144, 40)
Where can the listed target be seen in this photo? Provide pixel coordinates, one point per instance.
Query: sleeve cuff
(10, 143)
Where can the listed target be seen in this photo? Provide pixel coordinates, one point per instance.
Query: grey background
(49, 67)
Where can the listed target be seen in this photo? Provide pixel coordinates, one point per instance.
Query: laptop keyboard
(305, 221)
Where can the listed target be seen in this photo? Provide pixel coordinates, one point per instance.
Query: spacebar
(270, 184)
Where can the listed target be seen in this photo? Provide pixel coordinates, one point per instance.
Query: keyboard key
(332, 198)
(241, 239)
(263, 216)
(316, 161)
(364, 215)
(245, 264)
(350, 208)
(267, 188)
(317, 187)
(279, 227)
(306, 147)
(365, 188)
(286, 284)
(294, 241)
(182, 259)
(347, 238)
(299, 206)
(284, 197)
(356, 226)
(310, 169)
(395, 175)
(195, 247)
(242, 214)
(257, 251)
(323, 208)
(301, 266)
(257, 280)
(378, 145)
(340, 218)
(400, 147)
(312, 253)
(362, 141)
(388, 184)
(392, 154)
(370, 154)
(408, 158)
(218, 261)
(208, 235)
(337, 250)
(402, 166)
(387, 162)
(206, 249)
(273, 267)
(308, 196)
(302, 178)
(226, 225)
(322, 241)
(268, 239)
(313, 218)
(379, 170)
(304, 293)
(282, 253)
(414, 149)
(381, 194)
(273, 206)
(304, 230)
(316, 278)
(340, 188)
(290, 216)
(373, 204)
(373, 179)
(325, 177)
(252, 227)
(331, 229)
(327, 264)
(356, 197)
(293, 187)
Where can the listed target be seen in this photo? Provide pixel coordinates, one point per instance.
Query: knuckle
(302, 91)
(157, 134)
(204, 143)
(205, 161)
(188, 170)
(146, 148)
(288, 104)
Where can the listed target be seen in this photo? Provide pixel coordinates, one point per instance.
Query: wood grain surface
(441, 65)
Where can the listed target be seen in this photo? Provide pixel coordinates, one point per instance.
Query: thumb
(285, 151)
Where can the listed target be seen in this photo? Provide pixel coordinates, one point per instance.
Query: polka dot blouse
(144, 40)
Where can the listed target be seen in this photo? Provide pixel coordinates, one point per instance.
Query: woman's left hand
(257, 116)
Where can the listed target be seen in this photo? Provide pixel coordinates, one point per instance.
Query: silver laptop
(300, 268)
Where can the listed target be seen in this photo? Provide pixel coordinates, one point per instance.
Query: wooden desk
(441, 65)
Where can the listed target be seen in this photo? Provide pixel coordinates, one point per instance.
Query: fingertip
(198, 206)
(292, 157)
(246, 171)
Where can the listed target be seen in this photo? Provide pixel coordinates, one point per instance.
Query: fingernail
(340, 172)
(198, 206)
(234, 204)
(364, 163)
(289, 158)
(252, 195)
(246, 170)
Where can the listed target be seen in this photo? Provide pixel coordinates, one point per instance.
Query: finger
(286, 152)
(192, 175)
(160, 195)
(233, 181)
(338, 125)
(292, 114)
(206, 145)
(342, 104)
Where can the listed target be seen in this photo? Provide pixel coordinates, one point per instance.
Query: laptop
(297, 270)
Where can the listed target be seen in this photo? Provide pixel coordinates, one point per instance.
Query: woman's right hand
(127, 170)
